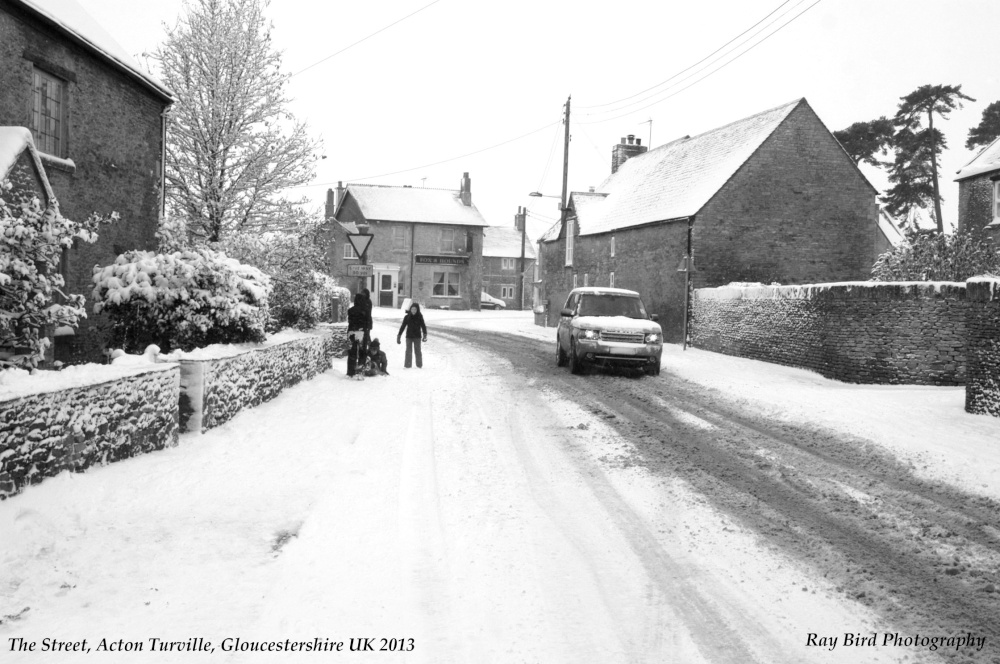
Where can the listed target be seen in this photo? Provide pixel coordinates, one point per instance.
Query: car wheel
(561, 358)
(575, 365)
(653, 369)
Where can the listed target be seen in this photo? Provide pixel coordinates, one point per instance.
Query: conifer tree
(988, 128)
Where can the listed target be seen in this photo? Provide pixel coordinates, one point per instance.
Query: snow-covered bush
(185, 299)
(32, 239)
(937, 257)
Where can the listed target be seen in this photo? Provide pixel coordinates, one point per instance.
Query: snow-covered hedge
(982, 391)
(32, 239)
(185, 299)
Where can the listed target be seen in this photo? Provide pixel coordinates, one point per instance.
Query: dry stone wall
(858, 332)
(982, 392)
(44, 434)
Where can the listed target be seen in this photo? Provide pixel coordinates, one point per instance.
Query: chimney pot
(638, 141)
(631, 139)
(623, 140)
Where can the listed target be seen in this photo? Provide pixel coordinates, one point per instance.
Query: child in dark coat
(357, 319)
(416, 331)
(377, 360)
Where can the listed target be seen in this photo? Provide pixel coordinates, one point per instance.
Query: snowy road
(485, 508)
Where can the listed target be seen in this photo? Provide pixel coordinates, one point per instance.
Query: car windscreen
(611, 305)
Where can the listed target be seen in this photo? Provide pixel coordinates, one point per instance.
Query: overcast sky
(460, 76)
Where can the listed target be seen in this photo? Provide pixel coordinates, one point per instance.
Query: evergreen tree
(232, 146)
(864, 140)
(988, 129)
(918, 148)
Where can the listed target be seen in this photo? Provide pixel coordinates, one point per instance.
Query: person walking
(357, 317)
(416, 331)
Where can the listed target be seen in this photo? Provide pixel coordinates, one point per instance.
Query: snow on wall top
(504, 242)
(73, 19)
(17, 383)
(677, 179)
(987, 160)
(414, 204)
(868, 290)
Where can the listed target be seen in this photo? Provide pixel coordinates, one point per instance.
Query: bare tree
(232, 146)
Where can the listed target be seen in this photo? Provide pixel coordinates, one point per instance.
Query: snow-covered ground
(452, 506)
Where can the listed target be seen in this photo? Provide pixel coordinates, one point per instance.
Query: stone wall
(72, 429)
(213, 391)
(861, 332)
(982, 391)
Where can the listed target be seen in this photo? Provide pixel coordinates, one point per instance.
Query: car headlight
(591, 334)
(653, 338)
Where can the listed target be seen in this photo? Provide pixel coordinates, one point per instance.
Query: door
(387, 289)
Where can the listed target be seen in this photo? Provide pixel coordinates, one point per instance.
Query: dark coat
(359, 316)
(413, 324)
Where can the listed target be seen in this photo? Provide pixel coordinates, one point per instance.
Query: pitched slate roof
(987, 160)
(72, 19)
(505, 242)
(414, 204)
(675, 180)
(552, 233)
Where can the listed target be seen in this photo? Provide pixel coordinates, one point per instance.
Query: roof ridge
(399, 186)
(790, 105)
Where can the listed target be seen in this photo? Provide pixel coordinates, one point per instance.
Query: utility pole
(519, 224)
(562, 207)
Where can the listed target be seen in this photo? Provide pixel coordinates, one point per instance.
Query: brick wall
(858, 333)
(975, 203)
(982, 392)
(72, 429)
(114, 139)
(213, 391)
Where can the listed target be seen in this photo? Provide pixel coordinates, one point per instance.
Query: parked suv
(607, 327)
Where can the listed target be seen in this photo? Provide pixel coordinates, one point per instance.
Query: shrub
(32, 239)
(937, 257)
(185, 299)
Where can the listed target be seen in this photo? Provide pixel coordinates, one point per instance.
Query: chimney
(466, 191)
(625, 151)
(331, 206)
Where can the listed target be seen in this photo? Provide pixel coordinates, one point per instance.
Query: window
(508, 263)
(400, 238)
(48, 113)
(507, 292)
(612, 280)
(446, 284)
(569, 243)
(449, 241)
(349, 250)
(612, 246)
(586, 279)
(996, 200)
(574, 280)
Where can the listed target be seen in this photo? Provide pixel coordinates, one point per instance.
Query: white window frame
(506, 292)
(612, 280)
(569, 243)
(449, 236)
(612, 246)
(400, 238)
(450, 279)
(574, 280)
(349, 253)
(48, 114)
(586, 279)
(508, 263)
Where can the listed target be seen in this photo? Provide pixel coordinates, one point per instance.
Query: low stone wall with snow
(220, 381)
(982, 390)
(107, 414)
(859, 332)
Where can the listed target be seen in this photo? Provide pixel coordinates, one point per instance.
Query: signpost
(360, 270)
(360, 242)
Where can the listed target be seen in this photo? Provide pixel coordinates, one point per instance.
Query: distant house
(501, 265)
(769, 198)
(979, 193)
(427, 245)
(97, 123)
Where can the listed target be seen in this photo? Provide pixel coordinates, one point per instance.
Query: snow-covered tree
(233, 148)
(938, 257)
(32, 302)
(186, 299)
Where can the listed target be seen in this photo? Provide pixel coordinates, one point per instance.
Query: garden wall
(858, 332)
(982, 391)
(45, 433)
(219, 382)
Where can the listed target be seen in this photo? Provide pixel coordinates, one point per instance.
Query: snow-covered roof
(14, 141)
(414, 204)
(676, 180)
(987, 160)
(76, 22)
(552, 233)
(890, 230)
(504, 242)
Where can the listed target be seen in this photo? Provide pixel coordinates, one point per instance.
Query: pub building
(427, 243)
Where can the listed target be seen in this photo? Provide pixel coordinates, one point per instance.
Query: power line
(383, 29)
(583, 108)
(548, 162)
(714, 71)
(436, 163)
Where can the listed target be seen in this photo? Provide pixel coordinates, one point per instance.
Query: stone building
(979, 193)
(427, 243)
(769, 198)
(97, 120)
(501, 265)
